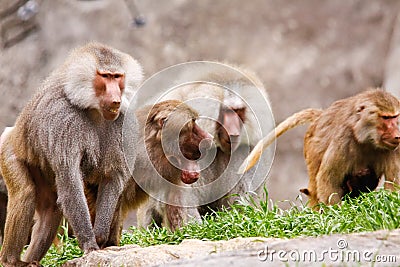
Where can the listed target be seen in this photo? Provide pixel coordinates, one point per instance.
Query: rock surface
(381, 248)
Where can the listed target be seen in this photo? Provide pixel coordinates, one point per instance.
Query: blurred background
(308, 53)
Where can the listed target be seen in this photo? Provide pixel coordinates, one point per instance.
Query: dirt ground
(308, 53)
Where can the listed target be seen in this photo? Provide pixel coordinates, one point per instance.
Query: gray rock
(380, 248)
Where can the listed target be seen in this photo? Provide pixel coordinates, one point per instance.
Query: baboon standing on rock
(70, 132)
(348, 146)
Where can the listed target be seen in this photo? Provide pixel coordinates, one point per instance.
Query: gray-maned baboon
(348, 147)
(233, 96)
(225, 166)
(69, 133)
(235, 127)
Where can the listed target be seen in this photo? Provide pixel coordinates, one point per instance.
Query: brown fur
(234, 121)
(3, 195)
(152, 160)
(3, 207)
(344, 140)
(353, 140)
(299, 118)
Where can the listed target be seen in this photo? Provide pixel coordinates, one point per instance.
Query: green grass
(67, 250)
(372, 211)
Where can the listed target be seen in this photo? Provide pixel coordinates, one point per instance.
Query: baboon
(167, 128)
(348, 147)
(231, 95)
(67, 134)
(224, 167)
(3, 192)
(364, 181)
(3, 207)
(236, 94)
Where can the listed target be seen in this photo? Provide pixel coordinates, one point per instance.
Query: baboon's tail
(299, 118)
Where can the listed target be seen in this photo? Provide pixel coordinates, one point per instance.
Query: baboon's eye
(360, 108)
(389, 117)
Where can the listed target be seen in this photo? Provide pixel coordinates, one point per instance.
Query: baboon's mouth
(189, 177)
(112, 110)
(391, 144)
(190, 171)
(110, 113)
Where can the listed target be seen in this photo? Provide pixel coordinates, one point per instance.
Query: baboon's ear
(161, 122)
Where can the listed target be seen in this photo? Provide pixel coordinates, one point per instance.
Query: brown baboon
(237, 93)
(159, 157)
(3, 207)
(348, 147)
(364, 181)
(3, 192)
(68, 134)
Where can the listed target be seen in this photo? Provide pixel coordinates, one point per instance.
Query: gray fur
(65, 137)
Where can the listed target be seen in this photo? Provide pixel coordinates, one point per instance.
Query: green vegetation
(249, 218)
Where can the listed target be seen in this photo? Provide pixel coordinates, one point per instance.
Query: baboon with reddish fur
(234, 128)
(160, 159)
(348, 147)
